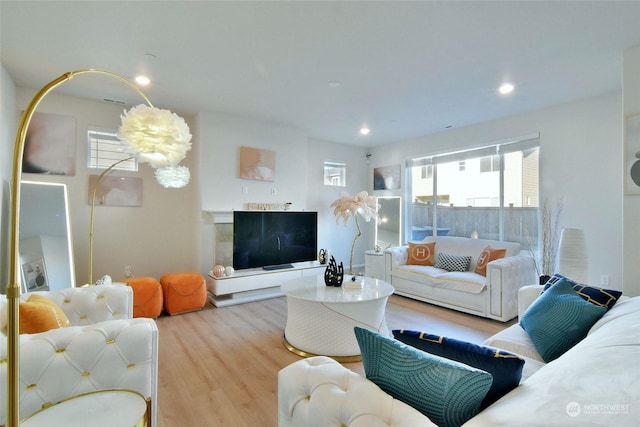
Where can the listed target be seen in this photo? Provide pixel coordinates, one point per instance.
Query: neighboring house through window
(489, 192)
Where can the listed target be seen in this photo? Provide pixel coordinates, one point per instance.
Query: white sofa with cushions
(596, 382)
(493, 295)
(105, 348)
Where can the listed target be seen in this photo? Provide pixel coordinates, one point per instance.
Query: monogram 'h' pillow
(421, 253)
(453, 262)
(488, 254)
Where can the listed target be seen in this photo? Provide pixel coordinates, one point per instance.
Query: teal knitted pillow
(447, 392)
(558, 319)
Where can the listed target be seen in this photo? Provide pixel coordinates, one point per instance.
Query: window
(489, 192)
(335, 174)
(105, 149)
(427, 172)
(490, 164)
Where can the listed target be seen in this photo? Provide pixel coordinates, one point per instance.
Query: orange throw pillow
(421, 253)
(488, 254)
(40, 314)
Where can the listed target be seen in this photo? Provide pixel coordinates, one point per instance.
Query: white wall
(631, 96)
(580, 160)
(222, 136)
(8, 125)
(336, 237)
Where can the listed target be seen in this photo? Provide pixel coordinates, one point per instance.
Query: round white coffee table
(102, 408)
(320, 318)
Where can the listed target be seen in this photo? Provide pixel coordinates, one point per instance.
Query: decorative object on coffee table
(334, 274)
(349, 206)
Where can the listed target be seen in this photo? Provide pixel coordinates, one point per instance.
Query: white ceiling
(406, 68)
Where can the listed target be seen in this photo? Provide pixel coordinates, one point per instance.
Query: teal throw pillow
(504, 367)
(447, 392)
(599, 296)
(558, 319)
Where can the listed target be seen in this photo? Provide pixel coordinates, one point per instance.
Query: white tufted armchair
(104, 349)
(318, 391)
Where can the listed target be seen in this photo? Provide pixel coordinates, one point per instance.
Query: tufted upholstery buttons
(97, 352)
(318, 391)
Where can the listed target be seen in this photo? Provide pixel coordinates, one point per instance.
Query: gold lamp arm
(13, 289)
(93, 207)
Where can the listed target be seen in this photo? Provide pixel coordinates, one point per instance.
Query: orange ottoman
(183, 292)
(147, 296)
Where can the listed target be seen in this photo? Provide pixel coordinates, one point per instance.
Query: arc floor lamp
(157, 137)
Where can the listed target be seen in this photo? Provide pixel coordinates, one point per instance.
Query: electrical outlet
(604, 280)
(273, 191)
(127, 271)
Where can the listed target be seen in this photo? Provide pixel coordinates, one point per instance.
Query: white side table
(374, 264)
(102, 408)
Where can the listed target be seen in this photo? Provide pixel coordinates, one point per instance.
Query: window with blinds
(105, 149)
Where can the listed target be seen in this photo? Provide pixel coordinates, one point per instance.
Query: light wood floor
(219, 366)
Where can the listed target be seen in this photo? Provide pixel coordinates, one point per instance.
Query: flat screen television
(273, 239)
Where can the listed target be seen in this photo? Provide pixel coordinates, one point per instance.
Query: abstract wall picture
(116, 191)
(257, 164)
(35, 276)
(386, 178)
(632, 154)
(50, 145)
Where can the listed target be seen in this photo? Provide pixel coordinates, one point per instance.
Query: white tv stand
(254, 284)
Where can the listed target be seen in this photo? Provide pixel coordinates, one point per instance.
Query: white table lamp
(573, 260)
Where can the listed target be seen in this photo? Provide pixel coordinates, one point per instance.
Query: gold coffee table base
(302, 353)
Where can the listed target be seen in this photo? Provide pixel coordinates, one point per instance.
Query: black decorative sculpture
(334, 273)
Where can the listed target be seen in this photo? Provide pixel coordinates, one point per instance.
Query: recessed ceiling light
(334, 83)
(506, 88)
(364, 130)
(143, 80)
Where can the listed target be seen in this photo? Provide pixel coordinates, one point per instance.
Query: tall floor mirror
(389, 228)
(46, 250)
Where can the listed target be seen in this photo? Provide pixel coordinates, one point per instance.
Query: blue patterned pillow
(447, 392)
(558, 319)
(453, 262)
(505, 367)
(604, 297)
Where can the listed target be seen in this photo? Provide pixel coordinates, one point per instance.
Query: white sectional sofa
(595, 383)
(493, 296)
(105, 348)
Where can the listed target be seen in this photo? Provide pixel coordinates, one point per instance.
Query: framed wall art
(632, 154)
(386, 178)
(257, 164)
(35, 276)
(50, 145)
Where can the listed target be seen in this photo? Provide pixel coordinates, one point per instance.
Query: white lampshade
(173, 176)
(573, 261)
